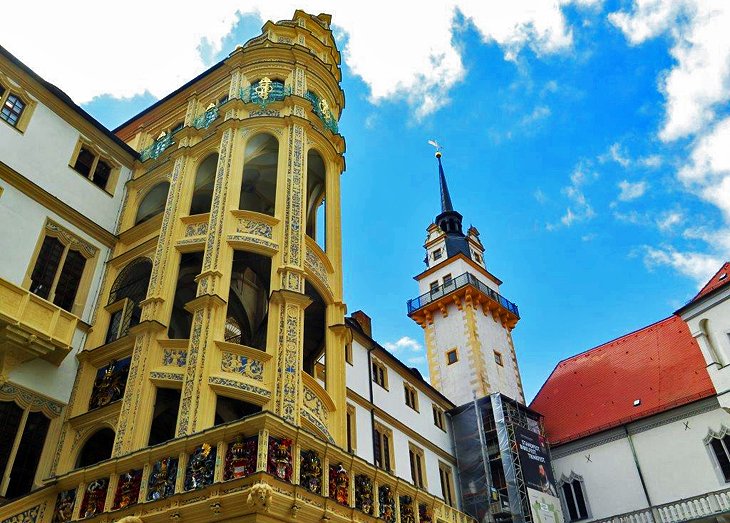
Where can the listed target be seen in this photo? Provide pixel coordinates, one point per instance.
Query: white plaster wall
(675, 461)
(17, 245)
(456, 380)
(357, 375)
(713, 315)
(42, 155)
(612, 485)
(364, 433)
(492, 337)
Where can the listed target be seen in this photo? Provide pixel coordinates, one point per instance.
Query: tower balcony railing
(157, 148)
(455, 284)
(260, 464)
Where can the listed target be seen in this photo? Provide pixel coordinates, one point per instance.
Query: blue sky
(587, 143)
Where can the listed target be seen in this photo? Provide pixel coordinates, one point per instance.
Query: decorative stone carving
(387, 504)
(94, 498)
(127, 493)
(424, 515)
(259, 497)
(279, 461)
(364, 493)
(243, 365)
(310, 471)
(241, 458)
(64, 506)
(199, 472)
(161, 483)
(339, 483)
(407, 514)
(110, 383)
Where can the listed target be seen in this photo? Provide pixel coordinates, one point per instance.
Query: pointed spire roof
(446, 204)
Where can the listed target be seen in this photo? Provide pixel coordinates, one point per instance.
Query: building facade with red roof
(638, 424)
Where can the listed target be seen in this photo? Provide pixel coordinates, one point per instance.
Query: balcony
(31, 327)
(259, 464)
(706, 506)
(457, 283)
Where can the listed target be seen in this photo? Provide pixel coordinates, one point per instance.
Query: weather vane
(437, 146)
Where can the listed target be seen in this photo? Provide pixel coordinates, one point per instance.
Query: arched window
(315, 198)
(204, 182)
(153, 202)
(128, 290)
(258, 190)
(314, 331)
(573, 493)
(181, 320)
(97, 448)
(248, 300)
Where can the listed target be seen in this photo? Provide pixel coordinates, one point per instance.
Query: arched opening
(129, 289)
(316, 191)
(248, 300)
(258, 190)
(164, 417)
(153, 202)
(97, 448)
(229, 409)
(181, 320)
(314, 333)
(204, 182)
(714, 354)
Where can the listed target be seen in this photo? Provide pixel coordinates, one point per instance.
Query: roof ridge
(705, 287)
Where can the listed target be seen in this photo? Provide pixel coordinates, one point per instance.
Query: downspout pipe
(638, 467)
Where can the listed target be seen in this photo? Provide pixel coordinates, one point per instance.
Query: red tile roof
(661, 365)
(720, 279)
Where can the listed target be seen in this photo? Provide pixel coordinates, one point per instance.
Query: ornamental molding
(30, 400)
(69, 239)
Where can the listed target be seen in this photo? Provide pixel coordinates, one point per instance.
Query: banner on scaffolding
(538, 476)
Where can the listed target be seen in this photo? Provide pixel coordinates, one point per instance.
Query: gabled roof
(720, 279)
(660, 365)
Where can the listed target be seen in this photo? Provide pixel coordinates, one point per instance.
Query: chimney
(364, 321)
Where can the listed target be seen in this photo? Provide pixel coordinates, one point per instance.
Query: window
(452, 357)
(90, 164)
(383, 439)
(153, 202)
(380, 374)
(437, 253)
(348, 353)
(498, 358)
(415, 455)
(97, 448)
(447, 280)
(316, 194)
(22, 438)
(438, 417)
(477, 257)
(721, 449)
(260, 165)
(59, 272)
(12, 108)
(434, 286)
(447, 484)
(164, 416)
(575, 499)
(351, 429)
(177, 127)
(128, 290)
(411, 396)
(223, 99)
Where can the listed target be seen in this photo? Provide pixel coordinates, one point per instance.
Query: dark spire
(446, 204)
(449, 220)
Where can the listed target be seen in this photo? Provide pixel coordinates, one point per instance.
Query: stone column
(197, 401)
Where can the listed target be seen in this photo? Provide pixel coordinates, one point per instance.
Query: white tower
(467, 323)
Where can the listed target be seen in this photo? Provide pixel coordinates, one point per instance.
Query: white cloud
(616, 153)
(631, 191)
(700, 80)
(698, 266)
(404, 345)
(668, 220)
(652, 161)
(126, 49)
(539, 113)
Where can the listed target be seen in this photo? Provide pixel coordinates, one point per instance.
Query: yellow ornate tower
(212, 385)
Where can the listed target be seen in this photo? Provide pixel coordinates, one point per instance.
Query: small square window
(380, 374)
(178, 127)
(90, 164)
(447, 280)
(411, 396)
(437, 254)
(434, 286)
(438, 417)
(498, 358)
(12, 109)
(452, 357)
